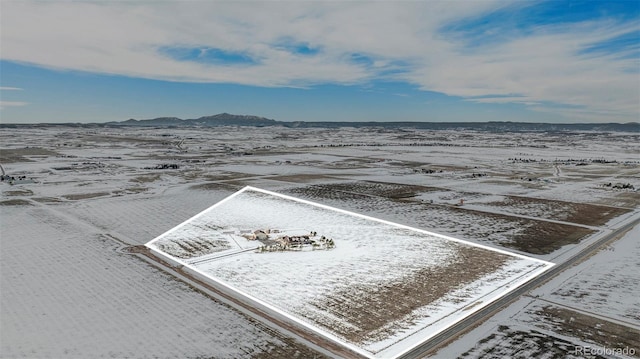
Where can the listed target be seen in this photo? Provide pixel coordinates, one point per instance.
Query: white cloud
(504, 99)
(5, 104)
(544, 67)
(126, 38)
(4, 88)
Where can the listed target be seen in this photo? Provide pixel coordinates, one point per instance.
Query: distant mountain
(226, 119)
(160, 121)
(221, 119)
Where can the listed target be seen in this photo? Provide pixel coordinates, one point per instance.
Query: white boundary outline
(512, 286)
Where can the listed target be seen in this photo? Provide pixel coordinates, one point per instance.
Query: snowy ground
(539, 194)
(369, 256)
(68, 292)
(594, 304)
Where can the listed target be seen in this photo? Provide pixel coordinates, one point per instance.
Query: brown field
(218, 186)
(397, 300)
(79, 196)
(47, 199)
(145, 179)
(368, 188)
(19, 192)
(384, 189)
(591, 329)
(580, 213)
(623, 199)
(15, 202)
(536, 236)
(521, 344)
(302, 178)
(532, 236)
(546, 237)
(14, 155)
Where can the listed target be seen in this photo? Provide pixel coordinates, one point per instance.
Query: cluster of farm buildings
(280, 240)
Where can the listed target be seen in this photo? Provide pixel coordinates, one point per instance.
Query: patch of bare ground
(367, 188)
(326, 192)
(427, 166)
(47, 199)
(129, 190)
(521, 344)
(216, 186)
(79, 196)
(595, 330)
(20, 192)
(546, 237)
(594, 215)
(136, 249)
(581, 213)
(15, 202)
(190, 175)
(223, 176)
(13, 155)
(304, 178)
(127, 139)
(145, 179)
(623, 199)
(535, 236)
(371, 309)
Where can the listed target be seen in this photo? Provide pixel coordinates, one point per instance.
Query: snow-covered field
(368, 257)
(607, 283)
(67, 291)
(593, 304)
(90, 192)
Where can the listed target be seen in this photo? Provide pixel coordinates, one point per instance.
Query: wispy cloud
(5, 104)
(546, 66)
(4, 88)
(586, 63)
(503, 99)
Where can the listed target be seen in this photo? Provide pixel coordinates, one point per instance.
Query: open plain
(78, 203)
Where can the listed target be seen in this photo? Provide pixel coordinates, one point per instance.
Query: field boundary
(268, 308)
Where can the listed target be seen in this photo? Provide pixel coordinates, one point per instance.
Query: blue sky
(534, 61)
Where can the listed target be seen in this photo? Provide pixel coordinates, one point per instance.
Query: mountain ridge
(227, 119)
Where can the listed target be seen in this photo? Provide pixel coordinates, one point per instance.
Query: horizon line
(2, 124)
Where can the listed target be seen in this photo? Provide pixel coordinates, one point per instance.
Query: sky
(488, 60)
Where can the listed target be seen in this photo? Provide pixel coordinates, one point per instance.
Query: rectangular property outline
(513, 286)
